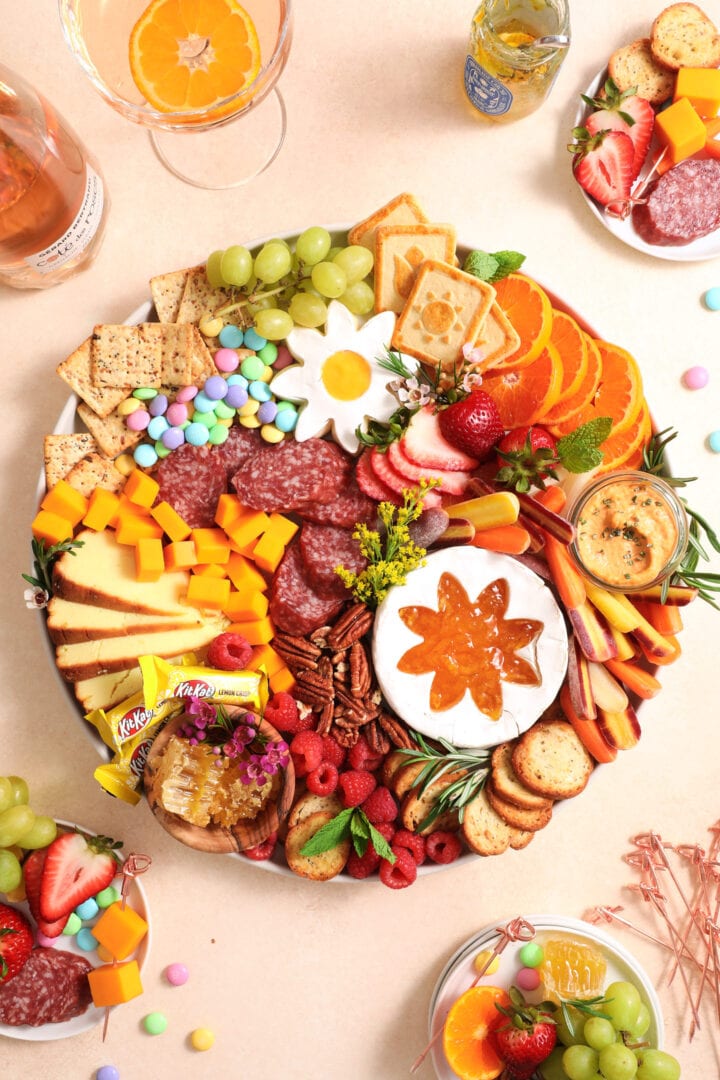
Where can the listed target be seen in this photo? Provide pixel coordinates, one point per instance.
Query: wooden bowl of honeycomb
(200, 798)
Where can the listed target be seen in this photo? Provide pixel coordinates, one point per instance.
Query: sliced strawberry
(32, 873)
(424, 444)
(368, 482)
(603, 164)
(76, 867)
(623, 111)
(452, 482)
(398, 483)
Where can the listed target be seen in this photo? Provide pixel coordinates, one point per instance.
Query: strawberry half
(16, 942)
(76, 868)
(472, 424)
(603, 164)
(623, 111)
(32, 873)
(527, 1037)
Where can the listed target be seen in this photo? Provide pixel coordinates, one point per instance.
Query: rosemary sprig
(586, 1007)
(43, 559)
(474, 768)
(701, 532)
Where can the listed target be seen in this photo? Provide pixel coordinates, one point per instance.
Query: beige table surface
(303, 982)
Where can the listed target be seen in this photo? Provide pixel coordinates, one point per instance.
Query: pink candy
(138, 420)
(284, 358)
(177, 974)
(226, 360)
(176, 414)
(45, 941)
(695, 378)
(185, 394)
(528, 978)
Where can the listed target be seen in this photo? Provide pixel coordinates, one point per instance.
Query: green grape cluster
(284, 287)
(602, 1047)
(20, 830)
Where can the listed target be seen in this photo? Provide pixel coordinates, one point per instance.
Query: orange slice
(571, 344)
(568, 405)
(528, 308)
(571, 969)
(619, 394)
(192, 56)
(467, 1035)
(624, 451)
(523, 395)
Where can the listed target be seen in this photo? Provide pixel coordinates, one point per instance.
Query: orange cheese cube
(180, 555)
(701, 86)
(102, 510)
(208, 592)
(127, 506)
(229, 509)
(247, 604)
(120, 930)
(211, 569)
(268, 552)
(248, 527)
(257, 632)
(66, 502)
(282, 681)
(265, 656)
(282, 528)
(174, 526)
(51, 527)
(149, 559)
(141, 488)
(113, 984)
(211, 545)
(243, 574)
(132, 527)
(681, 130)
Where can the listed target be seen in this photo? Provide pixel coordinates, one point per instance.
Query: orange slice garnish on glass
(523, 395)
(619, 394)
(192, 56)
(571, 969)
(467, 1035)
(528, 308)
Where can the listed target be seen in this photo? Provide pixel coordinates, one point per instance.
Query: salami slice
(51, 987)
(347, 510)
(192, 479)
(323, 547)
(682, 205)
(295, 607)
(240, 444)
(292, 475)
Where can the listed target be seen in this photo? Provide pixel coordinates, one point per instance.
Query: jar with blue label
(509, 72)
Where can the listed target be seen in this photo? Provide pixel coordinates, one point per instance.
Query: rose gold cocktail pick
(712, 933)
(602, 913)
(132, 867)
(518, 929)
(700, 902)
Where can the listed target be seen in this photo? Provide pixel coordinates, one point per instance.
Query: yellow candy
(482, 958)
(202, 1039)
(129, 405)
(271, 434)
(250, 407)
(210, 326)
(250, 421)
(125, 462)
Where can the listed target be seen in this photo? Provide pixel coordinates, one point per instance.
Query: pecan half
(395, 730)
(350, 627)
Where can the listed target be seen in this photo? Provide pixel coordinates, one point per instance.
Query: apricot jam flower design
(470, 645)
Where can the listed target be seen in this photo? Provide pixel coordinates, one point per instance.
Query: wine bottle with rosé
(53, 201)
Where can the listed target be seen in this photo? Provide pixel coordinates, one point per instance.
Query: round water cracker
(551, 760)
(506, 784)
(484, 830)
(528, 820)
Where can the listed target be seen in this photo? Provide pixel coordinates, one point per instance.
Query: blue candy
(286, 419)
(156, 427)
(87, 910)
(714, 441)
(231, 337)
(712, 299)
(236, 379)
(196, 434)
(145, 456)
(259, 390)
(203, 402)
(253, 340)
(86, 940)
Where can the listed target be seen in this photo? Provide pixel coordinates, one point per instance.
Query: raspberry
(443, 847)
(387, 830)
(362, 866)
(414, 843)
(323, 780)
(360, 756)
(229, 652)
(355, 786)
(380, 806)
(282, 712)
(263, 851)
(306, 752)
(401, 873)
(333, 751)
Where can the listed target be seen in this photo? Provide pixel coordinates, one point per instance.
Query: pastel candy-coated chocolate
(226, 359)
(177, 413)
(714, 441)
(88, 909)
(157, 426)
(138, 420)
(215, 388)
(259, 390)
(86, 940)
(531, 954)
(203, 403)
(155, 1023)
(712, 298)
(158, 405)
(268, 353)
(172, 438)
(202, 1039)
(695, 378)
(236, 396)
(231, 336)
(186, 393)
(73, 924)
(107, 1072)
(252, 367)
(253, 340)
(196, 434)
(45, 941)
(528, 978)
(145, 455)
(107, 896)
(177, 974)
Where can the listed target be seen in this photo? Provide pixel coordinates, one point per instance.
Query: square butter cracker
(404, 209)
(399, 251)
(445, 309)
(112, 434)
(95, 471)
(498, 339)
(76, 371)
(62, 452)
(199, 297)
(167, 291)
(127, 355)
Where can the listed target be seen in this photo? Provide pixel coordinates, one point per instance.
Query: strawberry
(472, 424)
(526, 1038)
(603, 164)
(526, 457)
(76, 867)
(624, 111)
(16, 942)
(32, 873)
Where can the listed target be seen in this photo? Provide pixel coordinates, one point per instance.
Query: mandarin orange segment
(467, 1035)
(193, 54)
(619, 394)
(624, 451)
(528, 308)
(568, 405)
(571, 969)
(524, 395)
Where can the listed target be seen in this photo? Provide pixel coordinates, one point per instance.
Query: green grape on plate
(10, 871)
(329, 279)
(313, 245)
(657, 1065)
(356, 261)
(272, 262)
(14, 823)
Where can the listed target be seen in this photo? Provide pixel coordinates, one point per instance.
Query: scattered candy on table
(202, 1039)
(695, 378)
(155, 1023)
(712, 298)
(107, 1072)
(714, 441)
(177, 974)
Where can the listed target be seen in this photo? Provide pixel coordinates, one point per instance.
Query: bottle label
(80, 233)
(484, 91)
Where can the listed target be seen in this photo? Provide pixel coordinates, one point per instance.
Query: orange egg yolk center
(346, 375)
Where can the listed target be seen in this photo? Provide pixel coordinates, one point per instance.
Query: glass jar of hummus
(631, 530)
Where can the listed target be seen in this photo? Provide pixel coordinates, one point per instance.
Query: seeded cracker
(203, 365)
(95, 471)
(112, 434)
(178, 354)
(167, 291)
(61, 452)
(76, 371)
(199, 297)
(127, 355)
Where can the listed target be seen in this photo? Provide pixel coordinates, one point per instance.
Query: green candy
(155, 1023)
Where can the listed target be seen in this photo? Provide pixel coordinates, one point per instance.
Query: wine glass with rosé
(190, 71)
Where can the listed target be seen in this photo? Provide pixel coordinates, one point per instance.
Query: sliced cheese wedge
(102, 572)
(69, 621)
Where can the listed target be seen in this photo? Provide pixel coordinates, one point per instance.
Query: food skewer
(134, 865)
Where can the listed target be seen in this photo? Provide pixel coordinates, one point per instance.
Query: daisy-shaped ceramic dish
(338, 379)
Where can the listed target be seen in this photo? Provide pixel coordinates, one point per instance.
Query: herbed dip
(627, 532)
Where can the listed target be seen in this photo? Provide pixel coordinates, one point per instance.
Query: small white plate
(458, 974)
(707, 247)
(92, 1016)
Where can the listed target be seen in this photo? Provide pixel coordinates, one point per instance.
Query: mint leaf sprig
(474, 769)
(492, 267)
(350, 824)
(43, 559)
(577, 452)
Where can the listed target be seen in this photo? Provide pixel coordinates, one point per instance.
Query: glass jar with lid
(508, 73)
